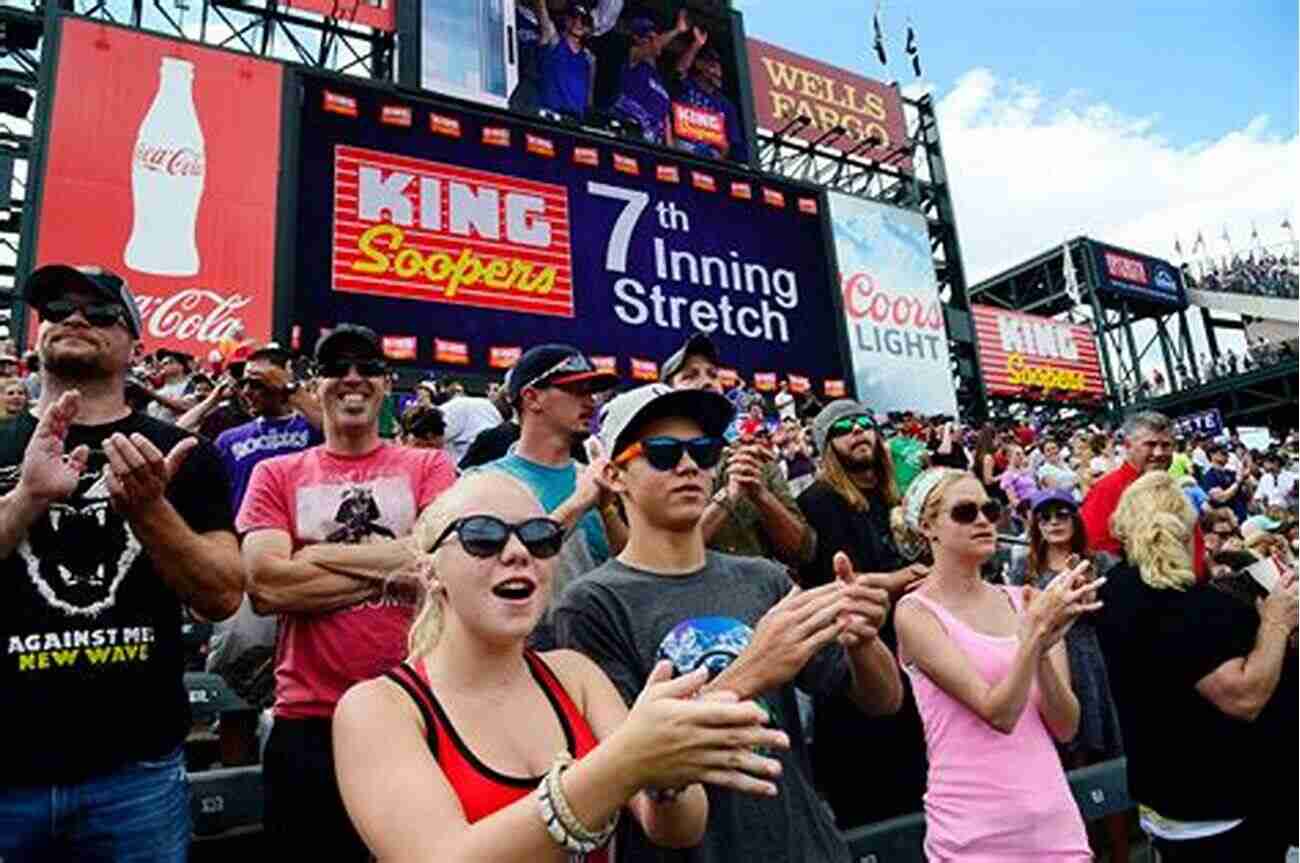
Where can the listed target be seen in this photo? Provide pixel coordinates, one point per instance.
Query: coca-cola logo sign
(193, 313)
(176, 161)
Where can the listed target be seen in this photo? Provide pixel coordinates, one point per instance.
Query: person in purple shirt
(276, 428)
(643, 96)
(700, 86)
(566, 67)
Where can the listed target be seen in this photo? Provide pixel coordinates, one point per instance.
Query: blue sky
(1136, 124)
(1201, 68)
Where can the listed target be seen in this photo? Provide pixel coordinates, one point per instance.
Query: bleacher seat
(226, 799)
(210, 696)
(1101, 789)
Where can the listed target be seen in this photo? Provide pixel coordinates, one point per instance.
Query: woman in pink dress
(992, 683)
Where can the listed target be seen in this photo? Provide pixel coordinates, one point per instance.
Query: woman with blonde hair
(478, 749)
(992, 683)
(1204, 693)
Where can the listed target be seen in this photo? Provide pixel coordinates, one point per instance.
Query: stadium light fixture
(826, 137)
(795, 126)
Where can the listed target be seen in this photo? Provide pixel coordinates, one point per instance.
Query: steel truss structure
(925, 191)
(1037, 286)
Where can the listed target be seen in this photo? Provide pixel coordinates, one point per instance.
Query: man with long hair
(848, 505)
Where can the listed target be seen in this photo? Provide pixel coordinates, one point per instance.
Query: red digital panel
(1020, 352)
(167, 177)
(406, 227)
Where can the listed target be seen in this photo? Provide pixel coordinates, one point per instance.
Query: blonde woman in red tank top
(459, 753)
(992, 684)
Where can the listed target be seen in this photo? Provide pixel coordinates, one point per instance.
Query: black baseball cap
(551, 365)
(698, 345)
(349, 340)
(49, 282)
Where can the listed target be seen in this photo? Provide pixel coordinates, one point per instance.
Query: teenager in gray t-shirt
(627, 619)
(666, 597)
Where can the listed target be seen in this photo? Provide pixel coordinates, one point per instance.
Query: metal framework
(1128, 333)
(926, 191)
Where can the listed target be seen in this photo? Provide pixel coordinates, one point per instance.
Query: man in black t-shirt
(848, 506)
(110, 520)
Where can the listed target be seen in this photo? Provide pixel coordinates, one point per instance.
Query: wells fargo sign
(788, 85)
(1019, 353)
(411, 228)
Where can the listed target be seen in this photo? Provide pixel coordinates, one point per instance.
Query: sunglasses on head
(340, 368)
(487, 535)
(665, 453)
(96, 314)
(845, 426)
(968, 511)
(574, 364)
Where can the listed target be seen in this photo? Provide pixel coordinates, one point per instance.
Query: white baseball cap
(634, 408)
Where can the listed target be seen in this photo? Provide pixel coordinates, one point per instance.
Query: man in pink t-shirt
(322, 538)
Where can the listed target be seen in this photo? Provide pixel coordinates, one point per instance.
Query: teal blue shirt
(553, 486)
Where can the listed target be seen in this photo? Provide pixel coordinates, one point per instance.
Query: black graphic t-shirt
(92, 635)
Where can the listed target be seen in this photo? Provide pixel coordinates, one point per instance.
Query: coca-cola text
(178, 162)
(192, 313)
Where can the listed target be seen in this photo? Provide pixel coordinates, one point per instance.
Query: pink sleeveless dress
(992, 797)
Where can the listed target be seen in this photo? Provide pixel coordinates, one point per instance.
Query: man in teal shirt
(553, 388)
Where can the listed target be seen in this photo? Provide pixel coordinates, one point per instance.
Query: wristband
(562, 825)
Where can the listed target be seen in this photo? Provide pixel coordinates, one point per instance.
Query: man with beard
(324, 540)
(111, 521)
(752, 512)
(849, 506)
(553, 389)
(1150, 439)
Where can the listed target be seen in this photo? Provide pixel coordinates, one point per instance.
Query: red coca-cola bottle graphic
(167, 178)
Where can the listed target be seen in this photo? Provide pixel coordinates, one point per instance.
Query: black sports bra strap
(418, 691)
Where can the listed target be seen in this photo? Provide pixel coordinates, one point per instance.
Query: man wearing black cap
(714, 131)
(567, 69)
(110, 522)
(752, 511)
(553, 389)
(666, 598)
(322, 534)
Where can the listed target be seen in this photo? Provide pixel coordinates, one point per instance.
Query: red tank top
(481, 789)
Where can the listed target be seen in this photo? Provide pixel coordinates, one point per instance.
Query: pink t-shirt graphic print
(316, 496)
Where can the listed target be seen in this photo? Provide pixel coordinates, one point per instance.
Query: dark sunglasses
(1056, 513)
(839, 428)
(665, 453)
(96, 314)
(966, 513)
(365, 368)
(253, 384)
(487, 535)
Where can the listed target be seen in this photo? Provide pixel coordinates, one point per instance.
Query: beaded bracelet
(562, 825)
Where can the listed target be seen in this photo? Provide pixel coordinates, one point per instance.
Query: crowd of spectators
(626, 71)
(1265, 275)
(565, 561)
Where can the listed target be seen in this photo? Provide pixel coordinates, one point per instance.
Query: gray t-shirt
(627, 619)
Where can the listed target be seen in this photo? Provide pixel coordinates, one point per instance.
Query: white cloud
(1030, 168)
